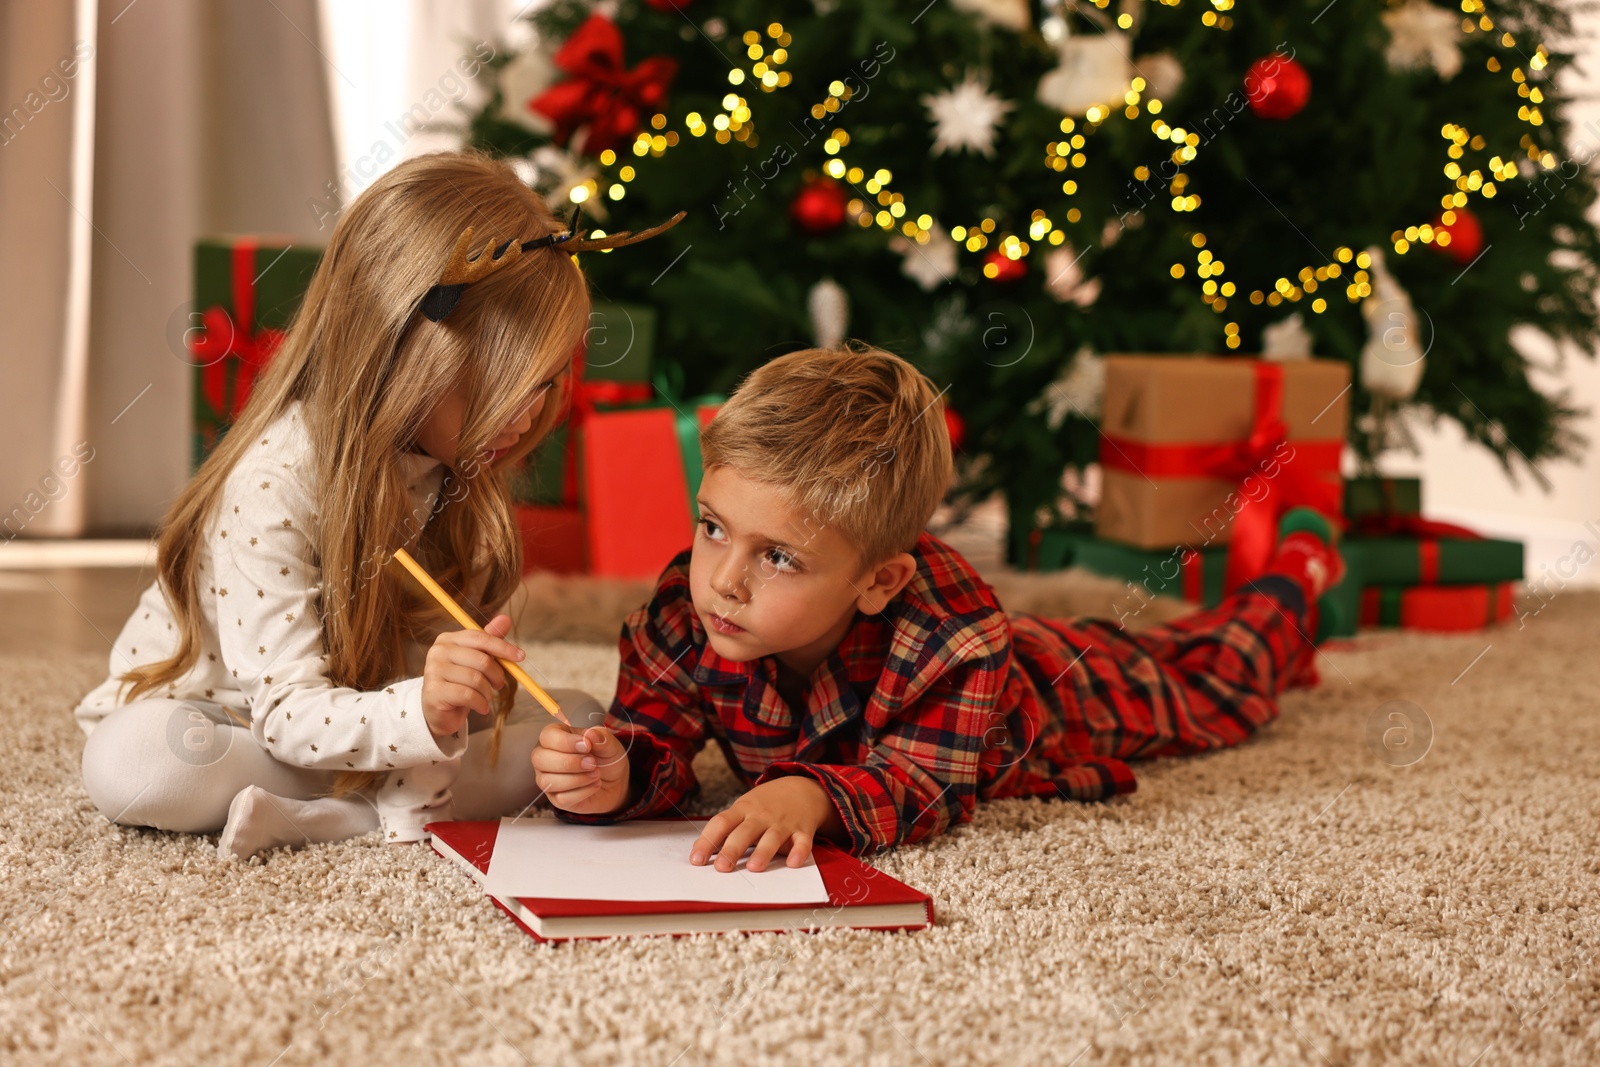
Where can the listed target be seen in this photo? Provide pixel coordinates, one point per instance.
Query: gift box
(1200, 450)
(639, 471)
(620, 342)
(1414, 561)
(553, 539)
(1367, 495)
(1195, 575)
(1436, 608)
(246, 290)
(611, 369)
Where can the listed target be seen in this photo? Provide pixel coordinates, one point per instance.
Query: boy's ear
(885, 581)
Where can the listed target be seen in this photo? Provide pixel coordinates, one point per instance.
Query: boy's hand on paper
(781, 816)
(582, 771)
(461, 675)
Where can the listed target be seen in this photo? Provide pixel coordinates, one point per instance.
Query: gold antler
(617, 240)
(462, 271)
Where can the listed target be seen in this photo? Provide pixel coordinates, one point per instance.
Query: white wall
(395, 55)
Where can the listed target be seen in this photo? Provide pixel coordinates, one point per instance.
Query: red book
(859, 897)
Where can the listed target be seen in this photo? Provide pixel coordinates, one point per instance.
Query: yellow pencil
(448, 603)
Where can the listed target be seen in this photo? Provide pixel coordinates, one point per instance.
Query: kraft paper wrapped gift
(1191, 444)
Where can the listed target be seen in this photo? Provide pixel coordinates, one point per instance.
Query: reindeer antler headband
(461, 271)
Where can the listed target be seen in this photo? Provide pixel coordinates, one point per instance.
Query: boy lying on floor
(861, 679)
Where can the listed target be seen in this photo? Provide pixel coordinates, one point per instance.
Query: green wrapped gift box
(246, 291)
(1365, 496)
(1409, 561)
(613, 370)
(620, 343)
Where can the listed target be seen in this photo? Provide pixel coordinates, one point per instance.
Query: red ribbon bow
(225, 336)
(601, 91)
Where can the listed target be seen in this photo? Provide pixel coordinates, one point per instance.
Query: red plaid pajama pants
(1203, 682)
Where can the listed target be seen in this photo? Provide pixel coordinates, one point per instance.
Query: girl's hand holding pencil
(461, 675)
(501, 651)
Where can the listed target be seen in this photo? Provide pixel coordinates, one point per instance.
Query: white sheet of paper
(633, 861)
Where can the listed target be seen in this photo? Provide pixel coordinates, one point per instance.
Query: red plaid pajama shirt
(943, 699)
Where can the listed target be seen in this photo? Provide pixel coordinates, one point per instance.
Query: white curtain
(180, 118)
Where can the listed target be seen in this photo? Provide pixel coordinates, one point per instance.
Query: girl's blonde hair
(854, 436)
(369, 369)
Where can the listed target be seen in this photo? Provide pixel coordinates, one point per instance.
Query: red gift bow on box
(1300, 480)
(586, 395)
(601, 91)
(223, 336)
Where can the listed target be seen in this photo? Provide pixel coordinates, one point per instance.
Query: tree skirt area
(1316, 896)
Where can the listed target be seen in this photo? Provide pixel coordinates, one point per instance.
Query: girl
(276, 680)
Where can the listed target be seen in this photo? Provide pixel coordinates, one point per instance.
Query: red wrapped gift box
(1436, 608)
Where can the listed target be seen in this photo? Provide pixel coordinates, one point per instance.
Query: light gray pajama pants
(177, 764)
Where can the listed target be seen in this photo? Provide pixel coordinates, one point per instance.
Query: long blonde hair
(368, 369)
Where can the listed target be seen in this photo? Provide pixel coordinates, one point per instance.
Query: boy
(859, 676)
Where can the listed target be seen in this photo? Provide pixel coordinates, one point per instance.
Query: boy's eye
(782, 560)
(710, 527)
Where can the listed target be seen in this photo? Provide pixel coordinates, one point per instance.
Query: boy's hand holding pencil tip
(582, 771)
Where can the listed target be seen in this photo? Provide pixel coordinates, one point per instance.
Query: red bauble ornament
(669, 6)
(1006, 269)
(1277, 87)
(957, 428)
(1466, 235)
(819, 206)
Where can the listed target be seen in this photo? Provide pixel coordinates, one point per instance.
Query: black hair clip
(461, 272)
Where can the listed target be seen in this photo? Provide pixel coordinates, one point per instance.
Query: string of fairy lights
(877, 205)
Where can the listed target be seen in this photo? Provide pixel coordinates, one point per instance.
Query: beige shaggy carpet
(1318, 896)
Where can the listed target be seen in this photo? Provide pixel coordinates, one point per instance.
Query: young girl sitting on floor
(281, 681)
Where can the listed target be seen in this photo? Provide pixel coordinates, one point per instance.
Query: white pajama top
(262, 657)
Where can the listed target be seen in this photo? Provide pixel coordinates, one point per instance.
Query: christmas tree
(997, 190)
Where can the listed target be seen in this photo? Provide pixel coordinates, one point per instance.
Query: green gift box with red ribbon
(611, 369)
(1409, 550)
(1379, 495)
(1409, 561)
(1203, 451)
(246, 291)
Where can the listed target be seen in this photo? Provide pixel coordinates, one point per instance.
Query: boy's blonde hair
(369, 369)
(854, 436)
